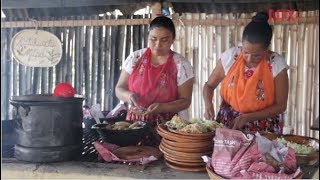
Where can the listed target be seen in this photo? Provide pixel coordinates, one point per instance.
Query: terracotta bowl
(207, 135)
(185, 154)
(165, 133)
(183, 162)
(184, 167)
(189, 149)
(180, 157)
(200, 144)
(302, 159)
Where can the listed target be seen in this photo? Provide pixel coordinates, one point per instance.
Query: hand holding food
(138, 110)
(132, 99)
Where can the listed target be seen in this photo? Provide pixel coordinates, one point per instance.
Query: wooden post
(86, 64)
(94, 67)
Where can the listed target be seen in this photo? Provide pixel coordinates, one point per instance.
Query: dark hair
(258, 30)
(162, 21)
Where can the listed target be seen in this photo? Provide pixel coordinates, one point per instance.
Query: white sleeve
(132, 59)
(127, 65)
(185, 70)
(227, 59)
(277, 63)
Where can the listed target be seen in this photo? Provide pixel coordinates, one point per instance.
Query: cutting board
(136, 152)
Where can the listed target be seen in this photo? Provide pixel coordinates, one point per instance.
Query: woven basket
(213, 175)
(302, 159)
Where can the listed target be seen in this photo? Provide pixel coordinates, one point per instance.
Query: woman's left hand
(238, 122)
(154, 108)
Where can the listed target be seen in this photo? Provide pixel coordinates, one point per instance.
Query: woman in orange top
(254, 80)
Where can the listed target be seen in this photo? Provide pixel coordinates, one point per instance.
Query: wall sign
(36, 48)
(283, 15)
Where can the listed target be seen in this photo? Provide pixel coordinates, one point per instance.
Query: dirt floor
(14, 169)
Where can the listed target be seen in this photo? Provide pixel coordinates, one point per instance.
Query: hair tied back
(260, 17)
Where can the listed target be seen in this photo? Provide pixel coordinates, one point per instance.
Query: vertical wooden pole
(107, 88)
(100, 71)
(86, 63)
(94, 67)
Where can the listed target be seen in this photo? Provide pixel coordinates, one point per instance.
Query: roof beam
(21, 4)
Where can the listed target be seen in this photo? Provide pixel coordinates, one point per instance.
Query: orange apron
(248, 94)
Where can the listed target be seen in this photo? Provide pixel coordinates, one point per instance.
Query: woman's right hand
(209, 112)
(133, 99)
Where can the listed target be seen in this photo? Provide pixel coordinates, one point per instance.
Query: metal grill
(89, 153)
(7, 151)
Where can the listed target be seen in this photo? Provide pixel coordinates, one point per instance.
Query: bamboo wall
(94, 50)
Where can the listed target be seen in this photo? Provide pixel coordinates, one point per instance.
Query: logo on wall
(36, 48)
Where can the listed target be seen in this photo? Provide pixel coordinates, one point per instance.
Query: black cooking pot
(121, 137)
(49, 128)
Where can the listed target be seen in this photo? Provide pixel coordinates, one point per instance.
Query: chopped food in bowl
(193, 125)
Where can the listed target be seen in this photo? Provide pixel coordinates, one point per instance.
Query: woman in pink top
(156, 81)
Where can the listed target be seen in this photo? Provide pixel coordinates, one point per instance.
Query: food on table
(211, 125)
(194, 128)
(177, 123)
(123, 125)
(193, 125)
(298, 148)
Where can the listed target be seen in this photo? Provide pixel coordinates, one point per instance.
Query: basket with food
(306, 148)
(122, 133)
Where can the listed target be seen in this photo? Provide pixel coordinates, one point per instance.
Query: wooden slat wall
(93, 55)
(298, 43)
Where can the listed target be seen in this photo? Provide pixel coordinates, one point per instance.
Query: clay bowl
(184, 162)
(190, 149)
(163, 132)
(182, 159)
(208, 135)
(199, 144)
(185, 168)
(175, 137)
(271, 136)
(302, 159)
(179, 157)
(194, 155)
